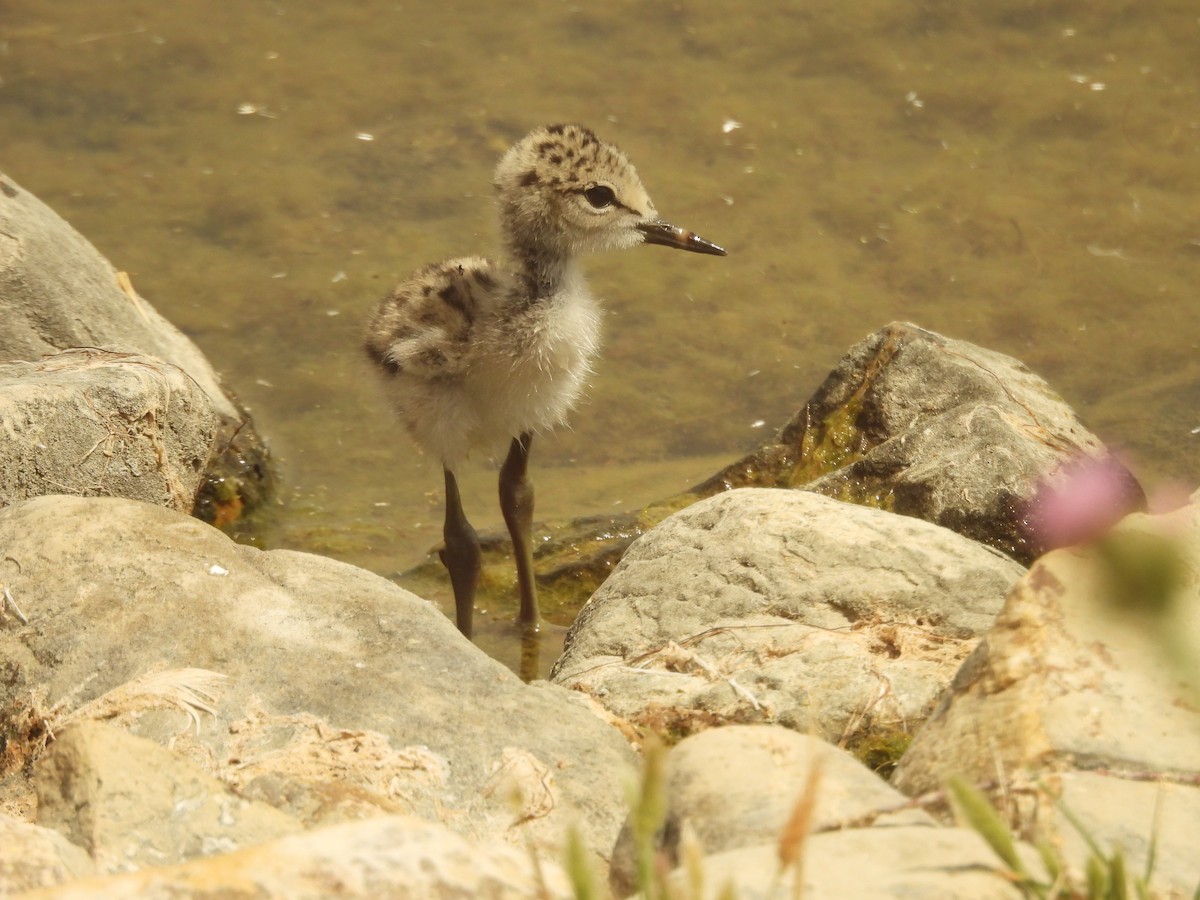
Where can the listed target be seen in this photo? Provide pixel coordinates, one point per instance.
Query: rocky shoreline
(182, 715)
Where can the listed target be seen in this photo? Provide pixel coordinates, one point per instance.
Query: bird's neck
(541, 272)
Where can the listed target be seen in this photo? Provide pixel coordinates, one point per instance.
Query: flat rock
(376, 859)
(298, 636)
(927, 426)
(97, 423)
(131, 803)
(788, 607)
(737, 787)
(1075, 678)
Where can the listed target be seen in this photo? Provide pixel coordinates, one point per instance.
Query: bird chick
(475, 352)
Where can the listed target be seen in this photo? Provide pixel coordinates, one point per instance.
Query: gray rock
(926, 426)
(131, 803)
(1088, 690)
(58, 292)
(788, 607)
(737, 787)
(34, 857)
(376, 859)
(92, 422)
(114, 589)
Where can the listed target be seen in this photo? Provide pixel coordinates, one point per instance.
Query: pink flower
(1081, 501)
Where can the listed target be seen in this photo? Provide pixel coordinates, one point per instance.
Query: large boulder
(909, 421)
(737, 786)
(131, 803)
(785, 606)
(943, 430)
(58, 293)
(910, 862)
(1086, 689)
(113, 589)
(34, 857)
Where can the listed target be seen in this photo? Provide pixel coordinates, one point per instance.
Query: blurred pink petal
(1081, 501)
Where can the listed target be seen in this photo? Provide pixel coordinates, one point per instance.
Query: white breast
(531, 369)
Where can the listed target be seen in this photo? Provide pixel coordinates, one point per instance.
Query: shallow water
(1020, 175)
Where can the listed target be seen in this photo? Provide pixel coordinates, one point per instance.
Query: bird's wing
(424, 326)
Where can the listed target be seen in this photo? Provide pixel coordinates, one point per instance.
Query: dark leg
(460, 556)
(516, 503)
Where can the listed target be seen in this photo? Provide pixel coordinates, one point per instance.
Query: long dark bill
(668, 235)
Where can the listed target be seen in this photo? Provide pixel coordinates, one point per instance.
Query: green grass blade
(579, 868)
(979, 813)
(1097, 878)
(1118, 887)
(1050, 859)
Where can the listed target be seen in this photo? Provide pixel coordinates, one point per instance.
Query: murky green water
(1024, 175)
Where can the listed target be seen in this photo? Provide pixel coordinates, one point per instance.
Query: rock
(57, 292)
(922, 425)
(909, 862)
(308, 637)
(92, 422)
(323, 775)
(1091, 690)
(33, 857)
(131, 803)
(737, 787)
(788, 607)
(376, 859)
(1118, 810)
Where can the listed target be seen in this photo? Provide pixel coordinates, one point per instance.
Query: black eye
(601, 196)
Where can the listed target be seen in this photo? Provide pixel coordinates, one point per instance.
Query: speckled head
(563, 189)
